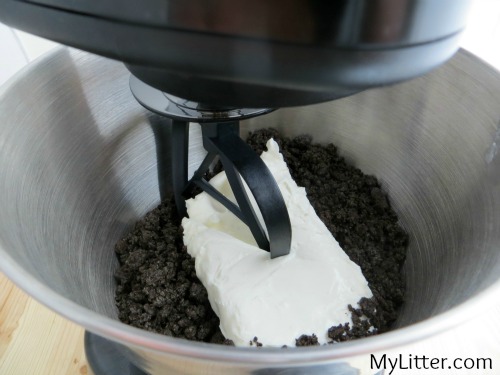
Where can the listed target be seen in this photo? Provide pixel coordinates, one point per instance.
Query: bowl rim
(133, 337)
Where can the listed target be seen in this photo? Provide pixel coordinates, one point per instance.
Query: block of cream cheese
(276, 300)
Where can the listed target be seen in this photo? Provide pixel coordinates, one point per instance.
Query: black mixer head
(255, 53)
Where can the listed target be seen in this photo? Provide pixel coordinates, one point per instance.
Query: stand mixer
(219, 62)
(215, 62)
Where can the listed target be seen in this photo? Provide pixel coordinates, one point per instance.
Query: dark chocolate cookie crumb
(256, 342)
(157, 287)
(306, 340)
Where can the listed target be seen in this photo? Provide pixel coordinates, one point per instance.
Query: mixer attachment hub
(220, 132)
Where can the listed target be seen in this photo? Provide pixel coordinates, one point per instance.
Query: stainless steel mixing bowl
(78, 168)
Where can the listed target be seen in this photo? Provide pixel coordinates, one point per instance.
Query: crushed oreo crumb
(306, 340)
(157, 287)
(256, 342)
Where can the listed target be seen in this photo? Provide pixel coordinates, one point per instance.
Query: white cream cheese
(276, 300)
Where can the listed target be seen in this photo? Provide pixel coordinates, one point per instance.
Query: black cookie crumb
(256, 342)
(305, 340)
(157, 287)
